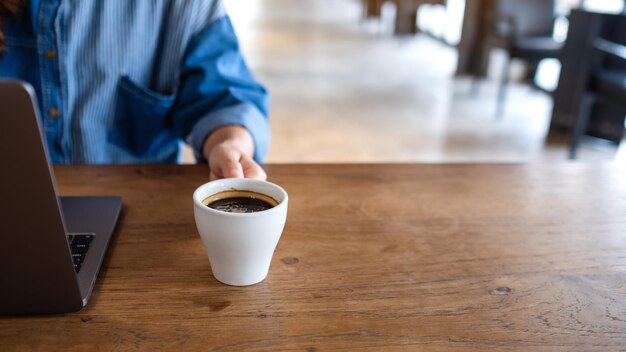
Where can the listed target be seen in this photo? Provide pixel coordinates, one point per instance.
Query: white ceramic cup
(240, 246)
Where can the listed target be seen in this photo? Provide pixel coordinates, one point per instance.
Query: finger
(232, 169)
(224, 163)
(251, 169)
(231, 166)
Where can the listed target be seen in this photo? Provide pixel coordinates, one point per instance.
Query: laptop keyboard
(79, 245)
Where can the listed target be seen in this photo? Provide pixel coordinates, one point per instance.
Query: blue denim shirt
(123, 81)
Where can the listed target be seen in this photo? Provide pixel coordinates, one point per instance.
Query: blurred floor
(345, 90)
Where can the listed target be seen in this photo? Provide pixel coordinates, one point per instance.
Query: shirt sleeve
(217, 89)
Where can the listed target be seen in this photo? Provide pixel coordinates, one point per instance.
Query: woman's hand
(229, 151)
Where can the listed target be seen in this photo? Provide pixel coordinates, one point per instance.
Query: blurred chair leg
(482, 51)
(581, 121)
(406, 16)
(474, 86)
(502, 90)
(372, 8)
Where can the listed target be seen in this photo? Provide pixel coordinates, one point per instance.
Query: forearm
(233, 136)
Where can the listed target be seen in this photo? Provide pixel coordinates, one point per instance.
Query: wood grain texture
(373, 257)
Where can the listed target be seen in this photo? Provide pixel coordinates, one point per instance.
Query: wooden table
(376, 257)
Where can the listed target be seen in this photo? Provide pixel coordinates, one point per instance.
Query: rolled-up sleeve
(217, 89)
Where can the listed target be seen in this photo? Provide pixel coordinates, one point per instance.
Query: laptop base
(92, 214)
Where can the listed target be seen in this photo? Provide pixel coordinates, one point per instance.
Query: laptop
(51, 247)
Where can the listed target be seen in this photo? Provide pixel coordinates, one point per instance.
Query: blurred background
(437, 80)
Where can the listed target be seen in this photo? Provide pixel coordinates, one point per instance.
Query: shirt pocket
(21, 58)
(18, 34)
(141, 124)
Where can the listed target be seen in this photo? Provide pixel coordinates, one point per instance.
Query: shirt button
(54, 113)
(51, 54)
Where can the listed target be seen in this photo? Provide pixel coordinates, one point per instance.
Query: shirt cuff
(245, 115)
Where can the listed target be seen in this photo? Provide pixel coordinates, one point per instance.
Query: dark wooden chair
(601, 78)
(524, 29)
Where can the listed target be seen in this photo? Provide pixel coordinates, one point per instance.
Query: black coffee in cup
(236, 201)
